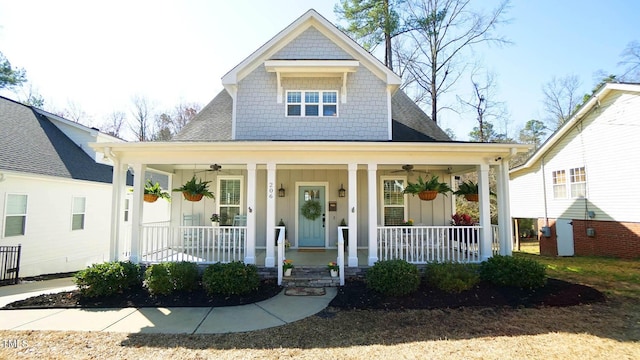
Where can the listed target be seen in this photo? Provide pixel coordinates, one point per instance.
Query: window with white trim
(16, 215)
(559, 179)
(229, 198)
(578, 182)
(78, 213)
(126, 210)
(394, 201)
(312, 103)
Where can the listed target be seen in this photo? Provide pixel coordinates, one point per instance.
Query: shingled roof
(410, 123)
(31, 143)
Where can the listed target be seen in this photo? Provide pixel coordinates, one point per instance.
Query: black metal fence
(9, 264)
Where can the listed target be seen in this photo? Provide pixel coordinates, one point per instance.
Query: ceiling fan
(408, 168)
(213, 167)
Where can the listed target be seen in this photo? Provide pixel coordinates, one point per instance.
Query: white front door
(564, 237)
(311, 216)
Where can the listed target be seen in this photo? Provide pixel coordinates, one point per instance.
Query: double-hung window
(229, 198)
(78, 212)
(559, 179)
(394, 203)
(312, 103)
(578, 181)
(16, 215)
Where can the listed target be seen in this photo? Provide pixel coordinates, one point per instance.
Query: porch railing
(201, 244)
(425, 244)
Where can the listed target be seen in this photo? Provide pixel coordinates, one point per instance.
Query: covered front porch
(259, 184)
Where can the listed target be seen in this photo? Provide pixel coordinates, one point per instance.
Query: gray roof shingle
(31, 143)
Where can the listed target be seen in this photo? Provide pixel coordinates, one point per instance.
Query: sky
(98, 55)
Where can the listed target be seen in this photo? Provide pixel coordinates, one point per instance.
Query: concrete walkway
(276, 311)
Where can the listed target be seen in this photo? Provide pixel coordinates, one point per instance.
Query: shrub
(234, 278)
(513, 271)
(107, 278)
(452, 277)
(165, 278)
(393, 277)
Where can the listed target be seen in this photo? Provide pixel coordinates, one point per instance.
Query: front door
(564, 237)
(311, 216)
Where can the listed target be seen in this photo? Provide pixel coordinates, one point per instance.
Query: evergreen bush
(107, 278)
(393, 277)
(513, 271)
(234, 278)
(452, 277)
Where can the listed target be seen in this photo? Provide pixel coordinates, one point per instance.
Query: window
(312, 103)
(126, 210)
(16, 215)
(77, 216)
(393, 201)
(578, 181)
(230, 197)
(559, 184)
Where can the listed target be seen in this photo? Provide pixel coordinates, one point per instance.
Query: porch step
(315, 276)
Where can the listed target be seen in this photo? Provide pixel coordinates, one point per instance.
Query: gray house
(312, 129)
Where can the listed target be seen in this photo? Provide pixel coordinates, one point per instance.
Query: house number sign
(271, 191)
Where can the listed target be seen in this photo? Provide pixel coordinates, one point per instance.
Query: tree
(483, 103)
(169, 124)
(163, 128)
(113, 124)
(533, 133)
(141, 126)
(441, 32)
(371, 22)
(489, 134)
(75, 113)
(10, 77)
(32, 97)
(631, 62)
(561, 98)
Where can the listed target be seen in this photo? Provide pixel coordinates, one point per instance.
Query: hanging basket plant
(311, 209)
(427, 190)
(195, 191)
(153, 192)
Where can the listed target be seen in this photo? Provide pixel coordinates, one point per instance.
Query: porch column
(372, 204)
(504, 211)
(485, 213)
(250, 250)
(137, 208)
(269, 260)
(352, 260)
(116, 209)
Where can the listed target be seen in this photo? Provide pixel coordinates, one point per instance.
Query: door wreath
(311, 209)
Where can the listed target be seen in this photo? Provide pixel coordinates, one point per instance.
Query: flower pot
(215, 223)
(334, 273)
(287, 272)
(427, 195)
(192, 197)
(150, 198)
(471, 197)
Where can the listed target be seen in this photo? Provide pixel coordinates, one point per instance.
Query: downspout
(546, 230)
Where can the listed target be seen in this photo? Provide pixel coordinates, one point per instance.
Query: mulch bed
(354, 295)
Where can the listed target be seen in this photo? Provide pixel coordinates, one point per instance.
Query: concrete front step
(316, 276)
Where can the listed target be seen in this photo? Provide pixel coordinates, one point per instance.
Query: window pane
(227, 213)
(393, 216)
(329, 110)
(311, 97)
(229, 192)
(77, 222)
(393, 192)
(311, 110)
(294, 110)
(578, 190)
(16, 204)
(330, 97)
(14, 225)
(294, 97)
(78, 204)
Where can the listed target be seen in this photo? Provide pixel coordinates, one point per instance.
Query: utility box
(546, 231)
(591, 232)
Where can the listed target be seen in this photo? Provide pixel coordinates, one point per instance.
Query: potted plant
(194, 191)
(215, 220)
(469, 190)
(345, 233)
(427, 190)
(153, 191)
(464, 237)
(333, 268)
(287, 265)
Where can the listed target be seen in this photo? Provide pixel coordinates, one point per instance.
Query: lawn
(608, 330)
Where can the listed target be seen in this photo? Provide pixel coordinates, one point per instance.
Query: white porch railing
(425, 244)
(495, 239)
(201, 244)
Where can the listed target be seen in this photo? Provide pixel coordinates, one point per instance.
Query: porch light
(281, 191)
(341, 191)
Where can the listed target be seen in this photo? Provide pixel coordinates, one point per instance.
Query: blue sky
(98, 55)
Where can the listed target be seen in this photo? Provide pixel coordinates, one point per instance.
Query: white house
(311, 129)
(55, 194)
(570, 186)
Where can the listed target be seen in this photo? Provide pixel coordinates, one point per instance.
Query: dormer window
(312, 103)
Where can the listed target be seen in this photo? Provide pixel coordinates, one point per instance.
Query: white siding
(525, 191)
(49, 245)
(605, 143)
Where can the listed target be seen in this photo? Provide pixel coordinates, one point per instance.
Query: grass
(608, 330)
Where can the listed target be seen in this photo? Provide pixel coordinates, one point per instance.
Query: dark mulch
(354, 295)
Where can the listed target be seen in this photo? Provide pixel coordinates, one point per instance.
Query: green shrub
(165, 278)
(107, 278)
(393, 277)
(452, 277)
(513, 271)
(234, 278)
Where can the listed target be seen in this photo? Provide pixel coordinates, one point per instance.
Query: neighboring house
(55, 194)
(570, 186)
(312, 124)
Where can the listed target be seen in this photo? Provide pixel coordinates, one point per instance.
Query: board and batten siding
(49, 245)
(605, 143)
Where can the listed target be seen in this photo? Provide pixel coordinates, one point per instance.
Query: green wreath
(311, 209)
